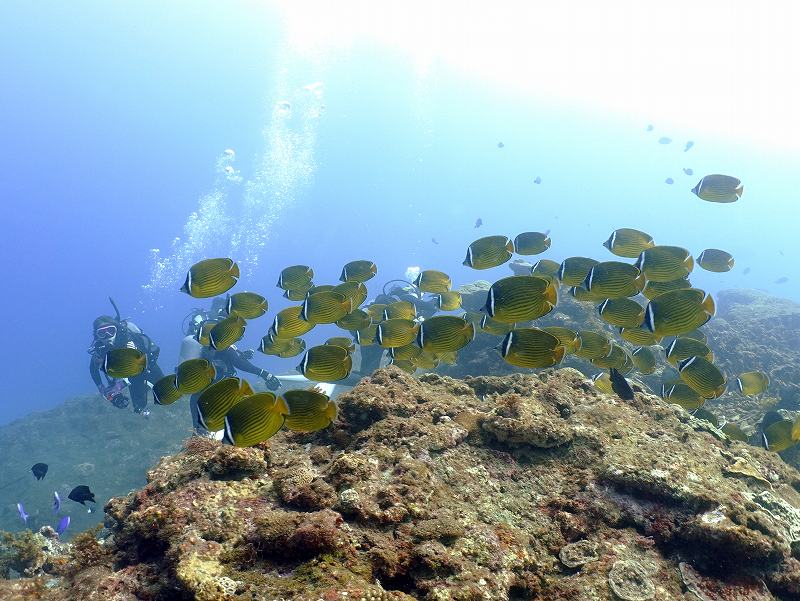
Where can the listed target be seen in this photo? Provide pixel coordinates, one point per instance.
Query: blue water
(114, 122)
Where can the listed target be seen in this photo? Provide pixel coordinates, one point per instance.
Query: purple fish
(63, 525)
(23, 516)
(56, 502)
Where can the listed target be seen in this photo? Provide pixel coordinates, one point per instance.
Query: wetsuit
(128, 335)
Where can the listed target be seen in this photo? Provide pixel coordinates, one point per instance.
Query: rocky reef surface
(516, 487)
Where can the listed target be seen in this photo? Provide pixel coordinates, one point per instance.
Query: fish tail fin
(738, 191)
(709, 305)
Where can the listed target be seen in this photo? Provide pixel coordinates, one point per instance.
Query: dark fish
(719, 188)
(63, 525)
(782, 280)
(434, 241)
(500, 145)
(537, 180)
(39, 470)
(478, 222)
(210, 278)
(22, 515)
(620, 385)
(688, 171)
(689, 144)
(664, 140)
(669, 181)
(254, 419)
(56, 502)
(81, 494)
(124, 362)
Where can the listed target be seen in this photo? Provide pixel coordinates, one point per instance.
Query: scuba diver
(404, 291)
(226, 362)
(112, 333)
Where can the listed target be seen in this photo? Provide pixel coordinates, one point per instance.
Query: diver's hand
(271, 381)
(120, 401)
(248, 353)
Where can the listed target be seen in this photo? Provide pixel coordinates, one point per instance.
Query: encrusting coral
(514, 487)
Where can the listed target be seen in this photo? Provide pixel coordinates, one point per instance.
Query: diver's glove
(271, 381)
(120, 401)
(248, 353)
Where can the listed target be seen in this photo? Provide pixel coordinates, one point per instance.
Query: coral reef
(515, 487)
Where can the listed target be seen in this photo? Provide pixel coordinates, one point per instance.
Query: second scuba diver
(113, 333)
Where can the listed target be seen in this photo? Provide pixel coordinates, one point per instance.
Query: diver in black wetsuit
(226, 362)
(371, 355)
(112, 333)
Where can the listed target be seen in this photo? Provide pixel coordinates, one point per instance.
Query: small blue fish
(665, 140)
(649, 127)
(688, 170)
(537, 180)
(669, 181)
(746, 271)
(500, 145)
(689, 144)
(63, 525)
(56, 502)
(23, 516)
